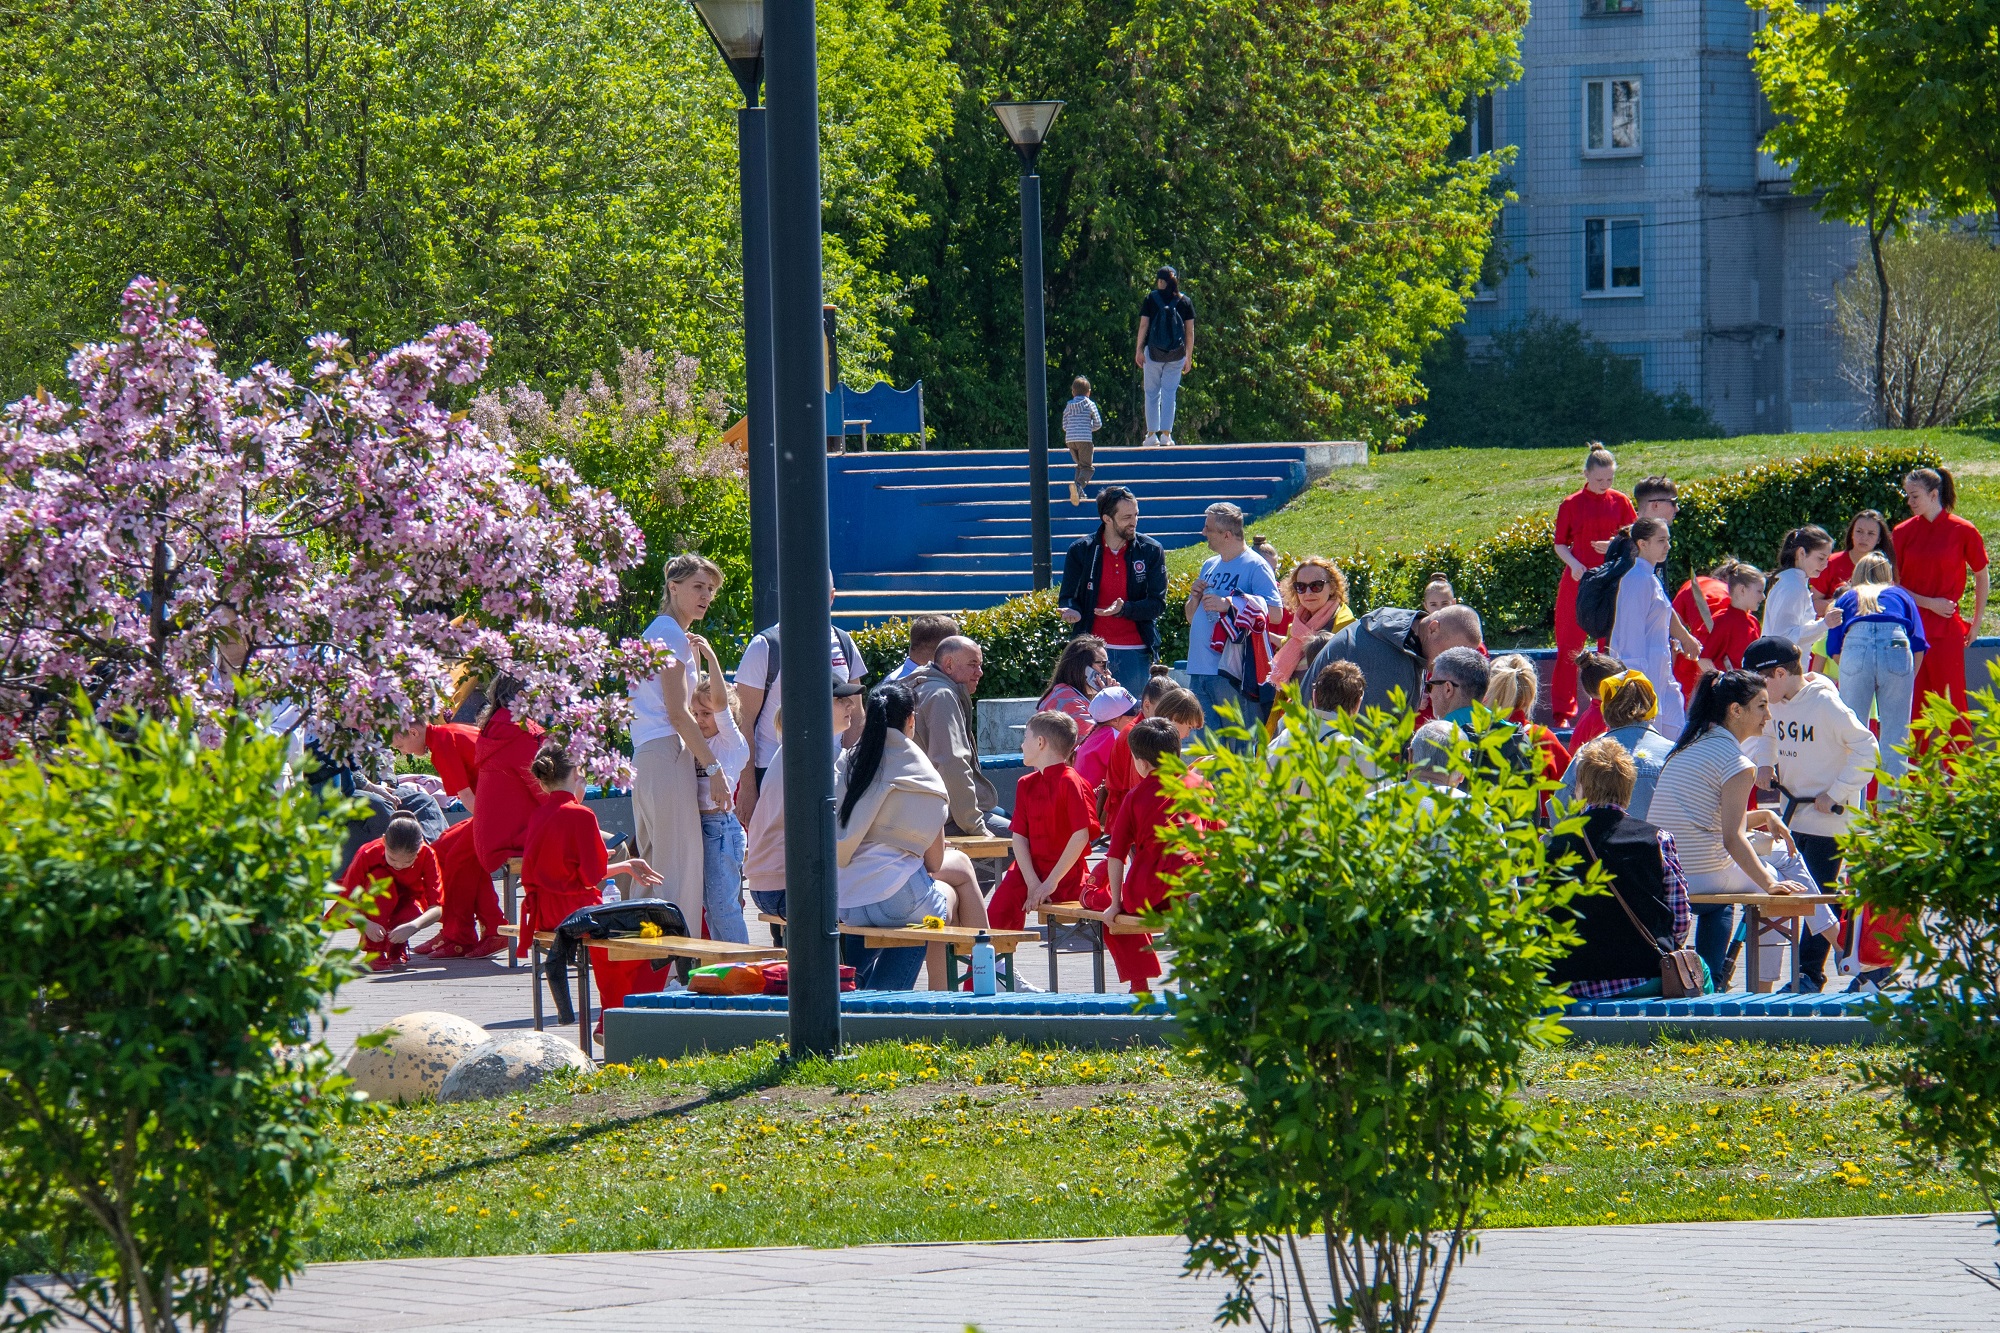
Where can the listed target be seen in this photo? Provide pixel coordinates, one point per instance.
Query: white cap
(1112, 701)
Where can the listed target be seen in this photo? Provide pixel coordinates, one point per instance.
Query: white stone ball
(421, 1049)
(510, 1062)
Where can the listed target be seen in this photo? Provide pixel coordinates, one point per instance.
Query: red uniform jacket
(563, 864)
(508, 793)
(1137, 839)
(398, 894)
(1723, 645)
(1049, 808)
(454, 751)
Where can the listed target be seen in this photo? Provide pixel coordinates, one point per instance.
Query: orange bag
(727, 979)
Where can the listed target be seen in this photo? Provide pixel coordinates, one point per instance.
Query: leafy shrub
(1510, 578)
(1364, 964)
(163, 1116)
(1935, 858)
(1545, 382)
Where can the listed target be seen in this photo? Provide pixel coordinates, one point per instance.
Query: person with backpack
(1643, 625)
(757, 697)
(1165, 351)
(1593, 513)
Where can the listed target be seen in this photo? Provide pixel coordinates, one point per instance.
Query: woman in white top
(668, 749)
(894, 869)
(1703, 799)
(1645, 627)
(1788, 606)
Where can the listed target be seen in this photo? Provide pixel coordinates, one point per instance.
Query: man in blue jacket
(1115, 586)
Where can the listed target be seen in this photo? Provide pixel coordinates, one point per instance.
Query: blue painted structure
(948, 530)
(886, 409)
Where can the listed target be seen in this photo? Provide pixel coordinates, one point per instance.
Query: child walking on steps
(1081, 422)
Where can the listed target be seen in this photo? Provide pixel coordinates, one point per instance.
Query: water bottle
(609, 893)
(982, 965)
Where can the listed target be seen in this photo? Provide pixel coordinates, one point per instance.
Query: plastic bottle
(609, 893)
(982, 965)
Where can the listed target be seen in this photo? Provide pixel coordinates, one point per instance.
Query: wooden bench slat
(1124, 924)
(987, 848)
(675, 946)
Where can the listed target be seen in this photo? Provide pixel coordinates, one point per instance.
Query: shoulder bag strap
(1630, 915)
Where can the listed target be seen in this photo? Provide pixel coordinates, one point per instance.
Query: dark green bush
(1545, 382)
(164, 1105)
(1510, 578)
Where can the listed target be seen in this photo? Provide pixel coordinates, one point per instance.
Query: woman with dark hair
(1644, 628)
(1165, 351)
(1703, 800)
(890, 808)
(1936, 549)
(1083, 669)
(1867, 533)
(1788, 603)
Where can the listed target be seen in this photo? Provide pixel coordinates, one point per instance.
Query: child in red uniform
(396, 878)
(1935, 550)
(563, 868)
(472, 915)
(1139, 863)
(1055, 820)
(1867, 531)
(1592, 670)
(507, 791)
(1113, 710)
(1589, 516)
(1733, 592)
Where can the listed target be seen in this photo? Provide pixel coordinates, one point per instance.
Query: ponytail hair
(889, 705)
(1709, 708)
(1938, 482)
(1644, 530)
(1798, 541)
(552, 766)
(1596, 456)
(1510, 685)
(1733, 573)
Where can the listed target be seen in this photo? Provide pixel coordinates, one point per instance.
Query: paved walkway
(1806, 1276)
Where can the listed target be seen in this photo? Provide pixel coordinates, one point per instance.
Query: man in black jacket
(1115, 586)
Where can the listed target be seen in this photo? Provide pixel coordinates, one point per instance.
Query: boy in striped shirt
(1081, 421)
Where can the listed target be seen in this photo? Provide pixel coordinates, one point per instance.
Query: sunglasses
(1302, 585)
(1434, 684)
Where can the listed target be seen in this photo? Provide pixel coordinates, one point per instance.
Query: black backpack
(602, 923)
(1597, 594)
(1167, 334)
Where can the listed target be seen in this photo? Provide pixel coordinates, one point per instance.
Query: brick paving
(1801, 1276)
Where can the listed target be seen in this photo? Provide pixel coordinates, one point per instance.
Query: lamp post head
(738, 29)
(1027, 125)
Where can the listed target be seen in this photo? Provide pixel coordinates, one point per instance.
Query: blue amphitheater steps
(950, 530)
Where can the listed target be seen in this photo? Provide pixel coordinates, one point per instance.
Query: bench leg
(535, 958)
(1007, 977)
(1050, 930)
(951, 969)
(510, 887)
(1097, 957)
(583, 1001)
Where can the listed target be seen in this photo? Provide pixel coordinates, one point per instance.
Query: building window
(1475, 135)
(1597, 8)
(1611, 117)
(1611, 257)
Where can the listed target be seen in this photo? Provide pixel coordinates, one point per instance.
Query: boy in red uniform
(1733, 591)
(1587, 518)
(1139, 862)
(472, 916)
(563, 868)
(1055, 819)
(394, 883)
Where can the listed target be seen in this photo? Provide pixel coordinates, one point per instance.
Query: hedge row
(1510, 578)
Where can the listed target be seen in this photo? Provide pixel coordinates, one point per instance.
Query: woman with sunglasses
(1315, 598)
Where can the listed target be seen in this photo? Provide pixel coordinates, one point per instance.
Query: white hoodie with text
(1817, 745)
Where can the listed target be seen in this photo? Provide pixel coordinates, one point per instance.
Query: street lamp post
(737, 26)
(812, 928)
(1027, 125)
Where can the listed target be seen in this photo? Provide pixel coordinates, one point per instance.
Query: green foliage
(1291, 159)
(1364, 961)
(1934, 857)
(561, 171)
(164, 1113)
(1545, 382)
(1941, 342)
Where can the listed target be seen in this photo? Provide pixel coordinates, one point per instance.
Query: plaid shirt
(1080, 421)
(1677, 898)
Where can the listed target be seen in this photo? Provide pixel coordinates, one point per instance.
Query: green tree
(165, 1106)
(1291, 160)
(1941, 358)
(561, 171)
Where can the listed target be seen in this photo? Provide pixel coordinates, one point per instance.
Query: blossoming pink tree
(331, 551)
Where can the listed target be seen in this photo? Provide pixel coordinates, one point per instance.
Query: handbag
(1681, 972)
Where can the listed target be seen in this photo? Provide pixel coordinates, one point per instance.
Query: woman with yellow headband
(1630, 703)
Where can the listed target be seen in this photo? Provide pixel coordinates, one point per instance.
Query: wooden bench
(627, 949)
(1761, 905)
(960, 938)
(982, 847)
(1064, 920)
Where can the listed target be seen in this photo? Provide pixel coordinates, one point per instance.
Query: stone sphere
(509, 1062)
(421, 1049)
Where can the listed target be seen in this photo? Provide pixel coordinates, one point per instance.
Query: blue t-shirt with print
(1247, 574)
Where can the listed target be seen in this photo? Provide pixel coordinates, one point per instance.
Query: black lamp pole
(1027, 125)
(812, 937)
(738, 29)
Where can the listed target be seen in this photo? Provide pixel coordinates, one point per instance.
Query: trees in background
(1935, 359)
(1290, 159)
(1546, 382)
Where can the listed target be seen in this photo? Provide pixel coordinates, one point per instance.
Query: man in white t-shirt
(759, 690)
(1230, 580)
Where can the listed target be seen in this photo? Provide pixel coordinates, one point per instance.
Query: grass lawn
(919, 1142)
(1406, 500)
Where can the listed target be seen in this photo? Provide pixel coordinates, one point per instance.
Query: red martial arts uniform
(1933, 559)
(1137, 839)
(1582, 519)
(471, 907)
(1050, 808)
(1589, 726)
(397, 895)
(563, 868)
(507, 794)
(1119, 777)
(1839, 570)
(1724, 644)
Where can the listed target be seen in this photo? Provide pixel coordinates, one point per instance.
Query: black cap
(1773, 650)
(847, 689)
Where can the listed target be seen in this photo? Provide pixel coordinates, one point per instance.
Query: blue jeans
(1163, 388)
(1714, 927)
(1130, 667)
(893, 969)
(722, 877)
(1877, 669)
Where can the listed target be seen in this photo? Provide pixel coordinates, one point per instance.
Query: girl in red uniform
(1866, 531)
(1592, 515)
(563, 868)
(507, 792)
(1935, 550)
(472, 916)
(396, 880)
(1139, 862)
(1733, 592)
